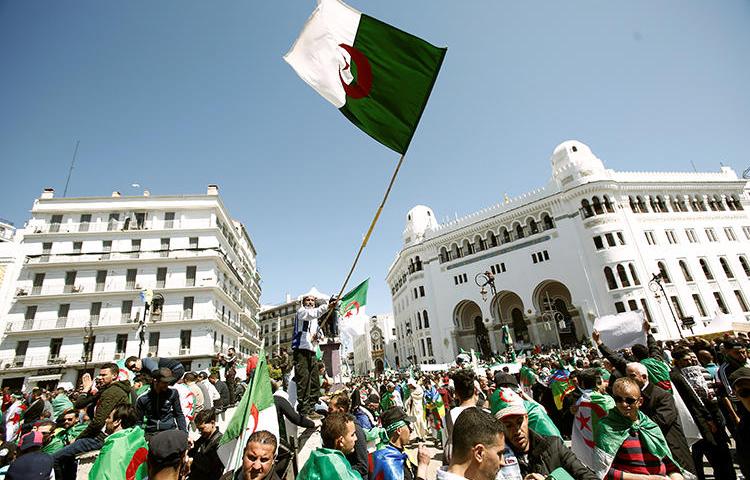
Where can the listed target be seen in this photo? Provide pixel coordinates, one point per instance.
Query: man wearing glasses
(629, 445)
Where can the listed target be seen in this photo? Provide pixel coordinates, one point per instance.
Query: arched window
(712, 204)
(418, 263)
(586, 210)
(654, 204)
(745, 265)
(533, 227)
(642, 204)
(608, 205)
(698, 204)
(547, 221)
(725, 266)
(479, 244)
(419, 321)
(719, 202)
(611, 282)
(444, 255)
(468, 248)
(685, 271)
(663, 272)
(634, 205)
(623, 276)
(425, 319)
(706, 269)
(519, 231)
(411, 266)
(737, 202)
(505, 235)
(492, 239)
(597, 206)
(455, 251)
(660, 202)
(634, 275)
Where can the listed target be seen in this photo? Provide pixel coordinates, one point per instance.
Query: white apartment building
(585, 245)
(371, 348)
(277, 321)
(10, 263)
(77, 299)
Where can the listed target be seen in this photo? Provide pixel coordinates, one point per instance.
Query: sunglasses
(743, 392)
(627, 400)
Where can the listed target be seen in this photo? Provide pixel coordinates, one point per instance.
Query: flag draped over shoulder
(327, 464)
(387, 464)
(614, 429)
(255, 412)
(527, 379)
(591, 408)
(378, 76)
(123, 456)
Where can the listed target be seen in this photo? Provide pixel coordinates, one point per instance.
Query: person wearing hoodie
(109, 394)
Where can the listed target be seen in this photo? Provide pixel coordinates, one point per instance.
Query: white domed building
(585, 245)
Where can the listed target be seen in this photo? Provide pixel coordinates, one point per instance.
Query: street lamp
(89, 335)
(484, 279)
(655, 285)
(554, 317)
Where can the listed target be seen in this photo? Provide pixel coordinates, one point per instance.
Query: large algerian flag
(378, 76)
(255, 412)
(352, 309)
(122, 457)
(590, 408)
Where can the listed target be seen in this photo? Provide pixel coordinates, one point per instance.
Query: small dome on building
(419, 220)
(573, 158)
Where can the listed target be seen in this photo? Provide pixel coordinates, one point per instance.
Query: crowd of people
(657, 410)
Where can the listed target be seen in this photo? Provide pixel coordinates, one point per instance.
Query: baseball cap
(31, 440)
(166, 449)
(393, 415)
(742, 373)
(508, 403)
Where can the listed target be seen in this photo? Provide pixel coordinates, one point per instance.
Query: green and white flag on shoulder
(378, 76)
(255, 412)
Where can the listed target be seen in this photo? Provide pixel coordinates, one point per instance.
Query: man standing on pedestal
(304, 344)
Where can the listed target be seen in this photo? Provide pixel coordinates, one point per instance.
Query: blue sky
(175, 95)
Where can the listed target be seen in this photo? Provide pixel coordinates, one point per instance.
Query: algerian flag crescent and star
(352, 309)
(378, 76)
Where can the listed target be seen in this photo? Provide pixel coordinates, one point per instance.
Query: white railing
(119, 225)
(100, 256)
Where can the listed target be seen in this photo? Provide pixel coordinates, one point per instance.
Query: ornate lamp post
(484, 279)
(656, 285)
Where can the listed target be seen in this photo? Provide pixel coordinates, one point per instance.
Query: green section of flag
(259, 396)
(404, 69)
(354, 300)
(122, 456)
(327, 464)
(539, 421)
(559, 474)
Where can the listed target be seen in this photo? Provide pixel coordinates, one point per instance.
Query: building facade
(277, 321)
(371, 353)
(78, 297)
(10, 264)
(585, 245)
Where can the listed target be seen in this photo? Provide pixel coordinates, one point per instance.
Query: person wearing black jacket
(536, 453)
(34, 412)
(206, 463)
(223, 389)
(688, 377)
(161, 405)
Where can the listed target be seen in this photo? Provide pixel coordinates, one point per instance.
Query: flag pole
(367, 236)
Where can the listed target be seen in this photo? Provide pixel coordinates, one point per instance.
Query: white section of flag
(316, 55)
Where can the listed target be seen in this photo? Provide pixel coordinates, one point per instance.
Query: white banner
(621, 330)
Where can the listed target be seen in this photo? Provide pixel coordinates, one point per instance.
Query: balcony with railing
(119, 226)
(119, 256)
